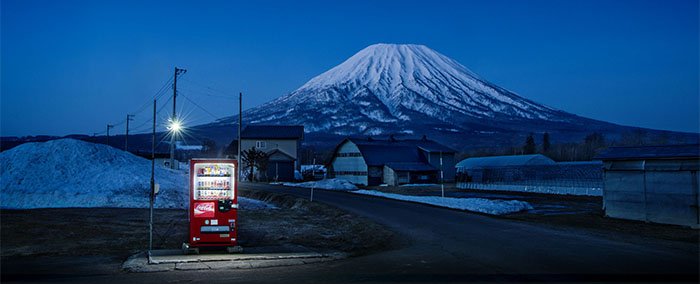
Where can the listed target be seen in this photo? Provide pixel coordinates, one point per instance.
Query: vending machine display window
(213, 181)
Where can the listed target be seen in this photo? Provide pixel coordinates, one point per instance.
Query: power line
(156, 96)
(205, 93)
(151, 119)
(225, 93)
(197, 105)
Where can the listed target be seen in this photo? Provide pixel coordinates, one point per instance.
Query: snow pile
(418, 185)
(488, 206)
(317, 168)
(74, 173)
(332, 184)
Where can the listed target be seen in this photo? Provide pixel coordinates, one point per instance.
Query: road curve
(443, 245)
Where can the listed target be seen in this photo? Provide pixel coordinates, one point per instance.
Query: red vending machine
(213, 210)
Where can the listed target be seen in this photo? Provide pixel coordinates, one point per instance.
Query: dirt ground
(563, 211)
(110, 235)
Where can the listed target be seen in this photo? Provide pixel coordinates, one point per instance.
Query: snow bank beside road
(488, 206)
(330, 184)
(74, 173)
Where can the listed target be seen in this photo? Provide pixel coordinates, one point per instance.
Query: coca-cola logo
(204, 209)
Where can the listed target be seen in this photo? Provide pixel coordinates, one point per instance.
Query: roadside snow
(331, 184)
(418, 184)
(488, 206)
(74, 173)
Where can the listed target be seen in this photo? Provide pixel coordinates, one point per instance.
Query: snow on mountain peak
(385, 84)
(388, 65)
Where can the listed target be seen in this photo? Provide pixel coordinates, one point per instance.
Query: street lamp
(174, 126)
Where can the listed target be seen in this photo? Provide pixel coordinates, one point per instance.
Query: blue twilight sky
(74, 66)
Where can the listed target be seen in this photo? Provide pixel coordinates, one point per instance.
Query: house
(480, 169)
(371, 161)
(652, 183)
(280, 142)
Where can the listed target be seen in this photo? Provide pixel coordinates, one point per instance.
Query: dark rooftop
(378, 155)
(273, 132)
(650, 152)
(424, 144)
(504, 161)
(410, 166)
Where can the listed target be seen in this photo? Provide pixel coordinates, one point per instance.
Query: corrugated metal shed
(410, 166)
(650, 152)
(504, 161)
(653, 184)
(273, 132)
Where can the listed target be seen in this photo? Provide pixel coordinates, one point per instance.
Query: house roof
(410, 166)
(424, 144)
(377, 152)
(279, 155)
(378, 155)
(505, 161)
(273, 132)
(650, 152)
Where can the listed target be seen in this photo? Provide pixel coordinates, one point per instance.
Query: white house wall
(350, 168)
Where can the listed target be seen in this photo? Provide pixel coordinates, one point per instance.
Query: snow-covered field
(482, 205)
(74, 173)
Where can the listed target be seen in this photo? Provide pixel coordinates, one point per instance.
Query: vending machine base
(187, 249)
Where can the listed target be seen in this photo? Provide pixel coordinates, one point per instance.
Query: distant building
(280, 142)
(478, 169)
(653, 183)
(372, 162)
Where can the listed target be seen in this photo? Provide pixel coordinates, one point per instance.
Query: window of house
(260, 144)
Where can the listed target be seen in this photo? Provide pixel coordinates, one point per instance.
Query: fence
(561, 178)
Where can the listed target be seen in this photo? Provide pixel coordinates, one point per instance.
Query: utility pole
(240, 125)
(153, 183)
(129, 117)
(108, 127)
(442, 177)
(178, 71)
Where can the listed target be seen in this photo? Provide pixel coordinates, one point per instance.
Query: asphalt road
(441, 245)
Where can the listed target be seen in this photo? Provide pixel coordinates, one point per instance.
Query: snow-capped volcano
(400, 88)
(415, 77)
(407, 89)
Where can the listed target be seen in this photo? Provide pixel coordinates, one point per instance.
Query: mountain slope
(411, 89)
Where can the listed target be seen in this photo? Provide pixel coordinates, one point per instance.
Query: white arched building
(372, 162)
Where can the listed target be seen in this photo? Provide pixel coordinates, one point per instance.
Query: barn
(371, 161)
(652, 183)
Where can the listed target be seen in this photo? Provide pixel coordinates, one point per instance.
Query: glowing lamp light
(175, 126)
